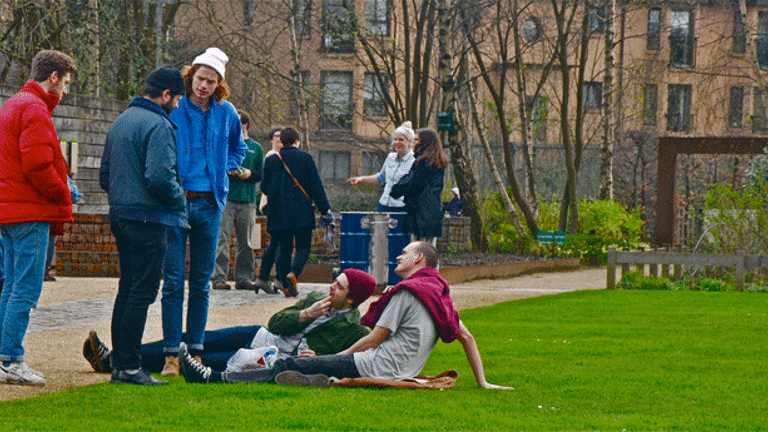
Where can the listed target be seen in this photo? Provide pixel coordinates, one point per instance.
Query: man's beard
(168, 106)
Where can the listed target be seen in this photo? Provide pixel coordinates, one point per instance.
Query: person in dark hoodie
(140, 173)
(406, 321)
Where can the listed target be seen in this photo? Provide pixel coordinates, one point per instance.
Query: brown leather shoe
(292, 283)
(171, 367)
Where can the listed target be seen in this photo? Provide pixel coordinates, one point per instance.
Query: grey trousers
(334, 365)
(239, 216)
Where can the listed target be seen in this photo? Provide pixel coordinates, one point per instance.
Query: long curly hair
(222, 91)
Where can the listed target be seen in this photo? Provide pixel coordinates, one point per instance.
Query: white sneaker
(20, 373)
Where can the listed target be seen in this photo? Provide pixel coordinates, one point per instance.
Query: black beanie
(167, 77)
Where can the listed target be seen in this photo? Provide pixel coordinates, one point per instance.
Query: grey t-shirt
(412, 338)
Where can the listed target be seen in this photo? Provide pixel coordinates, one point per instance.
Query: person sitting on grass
(330, 323)
(407, 321)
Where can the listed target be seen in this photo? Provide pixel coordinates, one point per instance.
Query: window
(337, 26)
(593, 95)
(681, 40)
(336, 107)
(736, 107)
(762, 39)
(654, 29)
(650, 104)
(739, 34)
(596, 20)
(303, 17)
(679, 112)
(334, 164)
(759, 124)
(532, 29)
(373, 96)
(377, 15)
(372, 162)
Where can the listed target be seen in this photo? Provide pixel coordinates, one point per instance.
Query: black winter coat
(421, 188)
(288, 207)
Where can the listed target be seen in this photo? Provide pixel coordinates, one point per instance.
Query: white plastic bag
(246, 359)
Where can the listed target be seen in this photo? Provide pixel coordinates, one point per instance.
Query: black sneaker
(299, 379)
(192, 370)
(141, 377)
(97, 353)
(247, 285)
(221, 285)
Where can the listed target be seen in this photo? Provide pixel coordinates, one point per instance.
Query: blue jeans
(141, 247)
(25, 245)
(219, 346)
(203, 234)
(335, 365)
(2, 262)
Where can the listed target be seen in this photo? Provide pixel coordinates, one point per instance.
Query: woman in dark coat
(421, 188)
(290, 215)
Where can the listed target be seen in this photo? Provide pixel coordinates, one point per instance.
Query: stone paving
(82, 312)
(79, 313)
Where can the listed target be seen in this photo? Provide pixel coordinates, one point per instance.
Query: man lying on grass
(329, 323)
(406, 322)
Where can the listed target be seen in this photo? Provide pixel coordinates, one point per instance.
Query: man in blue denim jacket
(210, 149)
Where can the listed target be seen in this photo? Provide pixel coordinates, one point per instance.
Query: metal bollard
(379, 224)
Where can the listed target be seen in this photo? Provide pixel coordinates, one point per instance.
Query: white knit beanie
(405, 130)
(214, 58)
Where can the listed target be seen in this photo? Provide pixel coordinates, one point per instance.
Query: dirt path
(70, 307)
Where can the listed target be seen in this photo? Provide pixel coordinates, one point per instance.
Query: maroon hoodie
(432, 290)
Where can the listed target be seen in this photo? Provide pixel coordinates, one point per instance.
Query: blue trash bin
(354, 242)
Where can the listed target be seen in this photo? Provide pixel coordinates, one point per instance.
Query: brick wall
(87, 247)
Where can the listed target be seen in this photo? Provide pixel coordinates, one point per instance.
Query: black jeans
(335, 365)
(268, 260)
(285, 242)
(141, 248)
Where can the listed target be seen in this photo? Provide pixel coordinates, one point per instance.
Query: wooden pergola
(669, 148)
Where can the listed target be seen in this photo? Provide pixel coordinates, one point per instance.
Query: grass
(593, 360)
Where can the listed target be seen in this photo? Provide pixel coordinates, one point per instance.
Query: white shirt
(391, 172)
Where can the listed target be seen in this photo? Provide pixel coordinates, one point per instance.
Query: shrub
(735, 218)
(637, 281)
(601, 224)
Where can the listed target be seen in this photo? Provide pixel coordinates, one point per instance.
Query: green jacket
(244, 191)
(332, 337)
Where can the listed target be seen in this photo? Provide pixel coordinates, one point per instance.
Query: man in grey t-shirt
(406, 323)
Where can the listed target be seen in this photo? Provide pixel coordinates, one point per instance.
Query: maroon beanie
(361, 285)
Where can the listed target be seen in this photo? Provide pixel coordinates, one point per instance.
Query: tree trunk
(456, 139)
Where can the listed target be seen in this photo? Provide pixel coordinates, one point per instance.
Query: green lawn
(593, 360)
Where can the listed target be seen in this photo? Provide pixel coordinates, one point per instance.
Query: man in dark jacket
(33, 195)
(140, 174)
(292, 184)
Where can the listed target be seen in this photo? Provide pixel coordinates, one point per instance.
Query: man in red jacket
(33, 194)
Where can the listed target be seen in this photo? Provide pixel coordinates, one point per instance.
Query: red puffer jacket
(33, 175)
